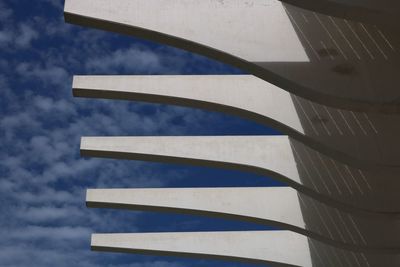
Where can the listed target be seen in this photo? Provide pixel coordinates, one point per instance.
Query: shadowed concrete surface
(382, 12)
(333, 61)
(329, 74)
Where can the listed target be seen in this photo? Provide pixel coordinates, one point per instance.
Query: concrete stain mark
(345, 69)
(330, 35)
(321, 119)
(327, 52)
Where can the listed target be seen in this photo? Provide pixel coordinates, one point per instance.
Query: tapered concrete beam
(355, 138)
(234, 15)
(311, 55)
(264, 154)
(275, 248)
(316, 175)
(267, 205)
(281, 207)
(272, 247)
(245, 95)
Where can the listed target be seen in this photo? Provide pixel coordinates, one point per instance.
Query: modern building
(324, 73)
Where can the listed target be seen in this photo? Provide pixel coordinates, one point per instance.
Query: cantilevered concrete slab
(275, 248)
(281, 207)
(284, 46)
(343, 206)
(372, 191)
(268, 154)
(261, 205)
(328, 60)
(356, 138)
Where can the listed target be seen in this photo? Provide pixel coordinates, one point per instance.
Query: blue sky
(43, 218)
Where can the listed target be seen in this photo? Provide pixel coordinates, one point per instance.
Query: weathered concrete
(254, 247)
(281, 207)
(268, 205)
(373, 192)
(358, 139)
(311, 55)
(345, 169)
(245, 95)
(277, 248)
(234, 15)
(269, 154)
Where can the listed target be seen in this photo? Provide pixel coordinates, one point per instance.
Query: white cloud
(50, 214)
(62, 233)
(5, 12)
(55, 3)
(26, 35)
(6, 37)
(46, 194)
(132, 59)
(47, 74)
(42, 177)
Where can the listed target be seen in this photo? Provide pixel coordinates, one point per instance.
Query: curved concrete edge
(279, 248)
(270, 156)
(272, 18)
(243, 95)
(258, 203)
(271, 206)
(106, 17)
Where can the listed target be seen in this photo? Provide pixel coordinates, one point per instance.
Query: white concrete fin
(227, 25)
(277, 204)
(270, 154)
(323, 129)
(244, 93)
(281, 247)
(311, 55)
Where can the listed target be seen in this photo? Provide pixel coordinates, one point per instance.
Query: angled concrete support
(331, 86)
(332, 61)
(356, 138)
(276, 248)
(268, 247)
(262, 205)
(305, 170)
(263, 154)
(281, 207)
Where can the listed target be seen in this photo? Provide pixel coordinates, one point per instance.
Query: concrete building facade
(324, 74)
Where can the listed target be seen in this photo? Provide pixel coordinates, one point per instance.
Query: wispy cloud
(43, 179)
(25, 35)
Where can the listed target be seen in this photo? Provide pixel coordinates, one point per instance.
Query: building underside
(324, 73)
